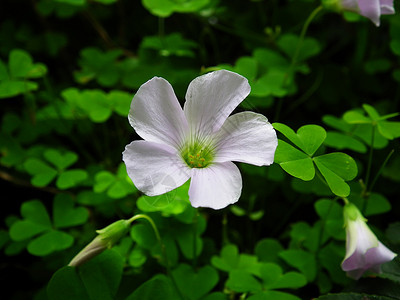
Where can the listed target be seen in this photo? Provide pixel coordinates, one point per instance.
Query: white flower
(199, 142)
(364, 251)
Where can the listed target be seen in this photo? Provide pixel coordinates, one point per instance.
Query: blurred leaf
(158, 287)
(331, 257)
(70, 178)
(332, 215)
(242, 282)
(172, 44)
(49, 242)
(117, 185)
(289, 43)
(194, 284)
(144, 235)
(267, 250)
(164, 8)
(21, 66)
(230, 260)
(64, 213)
(377, 66)
(60, 160)
(137, 257)
(99, 65)
(36, 220)
(273, 277)
(216, 296)
(302, 260)
(99, 278)
(273, 295)
(352, 296)
(342, 141)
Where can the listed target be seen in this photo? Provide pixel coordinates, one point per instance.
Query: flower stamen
(197, 154)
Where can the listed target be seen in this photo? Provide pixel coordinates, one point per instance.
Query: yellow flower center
(197, 155)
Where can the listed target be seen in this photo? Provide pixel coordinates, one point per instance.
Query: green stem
(380, 170)
(150, 220)
(302, 36)
(296, 55)
(370, 156)
(163, 252)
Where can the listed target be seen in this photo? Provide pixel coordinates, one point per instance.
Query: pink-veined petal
(154, 168)
(156, 114)
(216, 186)
(211, 98)
(246, 137)
(370, 9)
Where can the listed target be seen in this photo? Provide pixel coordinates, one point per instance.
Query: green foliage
(43, 173)
(336, 168)
(165, 8)
(97, 279)
(14, 79)
(44, 235)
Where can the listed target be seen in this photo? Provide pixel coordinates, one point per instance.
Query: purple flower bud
(364, 252)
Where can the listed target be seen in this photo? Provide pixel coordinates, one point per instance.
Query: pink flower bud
(364, 252)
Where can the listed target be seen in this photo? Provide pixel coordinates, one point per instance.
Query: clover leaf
(42, 235)
(336, 168)
(194, 284)
(99, 65)
(43, 173)
(388, 129)
(116, 185)
(14, 78)
(99, 278)
(351, 136)
(96, 104)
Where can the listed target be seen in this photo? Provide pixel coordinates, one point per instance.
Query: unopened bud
(106, 238)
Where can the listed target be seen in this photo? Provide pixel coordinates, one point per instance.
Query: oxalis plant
(200, 149)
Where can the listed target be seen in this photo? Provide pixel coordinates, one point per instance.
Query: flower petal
(211, 98)
(387, 7)
(154, 168)
(247, 137)
(370, 9)
(216, 186)
(378, 255)
(156, 114)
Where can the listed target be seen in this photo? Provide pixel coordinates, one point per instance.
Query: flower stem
(371, 152)
(302, 36)
(296, 55)
(380, 170)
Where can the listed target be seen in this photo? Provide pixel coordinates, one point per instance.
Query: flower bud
(106, 238)
(364, 252)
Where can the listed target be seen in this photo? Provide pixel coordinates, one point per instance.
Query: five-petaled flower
(199, 141)
(364, 252)
(371, 9)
